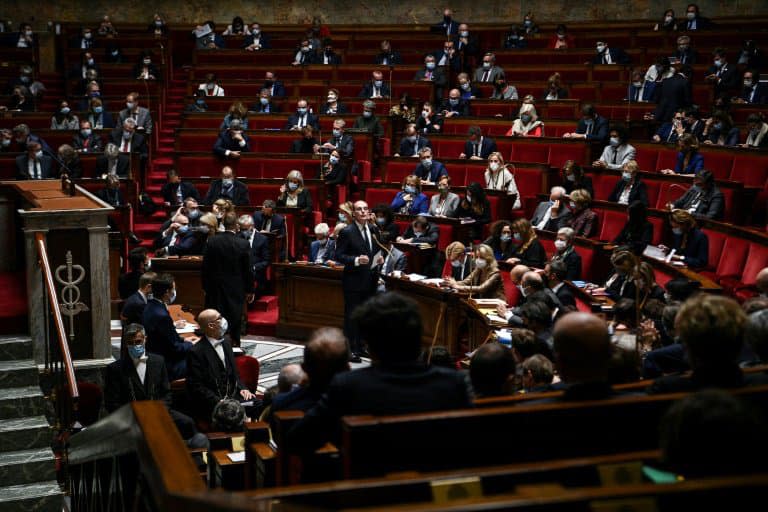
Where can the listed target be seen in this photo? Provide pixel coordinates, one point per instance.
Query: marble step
(24, 433)
(37, 497)
(22, 372)
(18, 402)
(15, 347)
(27, 466)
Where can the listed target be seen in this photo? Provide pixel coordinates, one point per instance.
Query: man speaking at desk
(355, 248)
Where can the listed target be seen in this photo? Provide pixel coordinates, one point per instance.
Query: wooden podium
(76, 235)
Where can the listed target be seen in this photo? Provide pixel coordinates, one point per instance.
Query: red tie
(85, 143)
(125, 146)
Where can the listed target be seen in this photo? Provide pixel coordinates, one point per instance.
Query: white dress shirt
(216, 344)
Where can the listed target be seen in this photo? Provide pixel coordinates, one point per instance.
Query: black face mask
(269, 83)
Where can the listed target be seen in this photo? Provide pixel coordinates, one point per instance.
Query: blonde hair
(631, 166)
(581, 197)
(210, 220)
(524, 227)
(224, 205)
(296, 175)
(348, 208)
(413, 180)
(485, 252)
(454, 249)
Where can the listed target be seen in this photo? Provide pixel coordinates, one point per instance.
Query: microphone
(58, 160)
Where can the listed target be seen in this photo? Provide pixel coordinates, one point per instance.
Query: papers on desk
(652, 251)
(496, 318)
(415, 277)
(437, 281)
(187, 329)
(488, 302)
(467, 220)
(236, 456)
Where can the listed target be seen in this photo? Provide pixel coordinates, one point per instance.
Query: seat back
(612, 223)
(716, 242)
(248, 368)
(733, 257)
(757, 259)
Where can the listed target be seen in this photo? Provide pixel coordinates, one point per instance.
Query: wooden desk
(419, 258)
(186, 273)
(224, 473)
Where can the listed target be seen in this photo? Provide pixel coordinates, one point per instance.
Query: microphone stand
(68, 183)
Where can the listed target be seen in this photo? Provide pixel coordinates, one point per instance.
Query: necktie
(477, 149)
(178, 240)
(302, 122)
(485, 76)
(429, 75)
(124, 149)
(85, 143)
(38, 173)
(366, 240)
(615, 155)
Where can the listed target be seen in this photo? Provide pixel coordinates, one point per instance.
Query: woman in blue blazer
(410, 200)
(689, 160)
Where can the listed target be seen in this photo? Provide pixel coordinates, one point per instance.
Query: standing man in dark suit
(175, 191)
(694, 21)
(607, 55)
(212, 373)
(227, 187)
(34, 165)
(448, 26)
(162, 338)
(259, 245)
(673, 94)
(134, 306)
(226, 274)
(722, 74)
(556, 272)
(388, 56)
(355, 248)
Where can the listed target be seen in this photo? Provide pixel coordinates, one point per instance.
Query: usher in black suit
(208, 379)
(358, 281)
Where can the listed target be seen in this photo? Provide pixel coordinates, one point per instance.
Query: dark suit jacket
(487, 146)
(138, 142)
(585, 183)
(95, 144)
(277, 226)
(162, 339)
(185, 244)
(565, 296)
(572, 262)
(638, 192)
(430, 235)
(122, 384)
(438, 78)
(433, 173)
(341, 109)
(226, 142)
(379, 390)
(453, 65)
(113, 197)
(239, 194)
(636, 240)
(673, 93)
(169, 192)
(264, 41)
(133, 309)
(22, 167)
(456, 272)
(667, 133)
(423, 126)
(759, 98)
(277, 89)
(293, 120)
(226, 272)
(123, 166)
(729, 77)
(269, 108)
(702, 23)
(689, 56)
(349, 246)
(695, 164)
(303, 200)
(599, 131)
(696, 250)
(446, 28)
(462, 109)
(304, 145)
(533, 256)
(392, 57)
(407, 148)
(208, 380)
(618, 56)
(259, 256)
(337, 174)
(128, 284)
(344, 144)
(367, 90)
(314, 249)
(554, 224)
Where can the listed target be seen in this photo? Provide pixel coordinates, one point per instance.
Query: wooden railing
(58, 359)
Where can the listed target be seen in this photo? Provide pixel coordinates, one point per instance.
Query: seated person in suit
(384, 219)
(260, 258)
(267, 221)
(670, 132)
(429, 171)
(327, 56)
(592, 126)
(128, 140)
(637, 233)
(175, 191)
(618, 151)
(719, 130)
(420, 231)
(333, 239)
(574, 178)
(556, 273)
(391, 258)
(368, 122)
(584, 221)
(134, 305)
(607, 55)
(444, 203)
(711, 328)
(555, 90)
(475, 205)
(212, 374)
(341, 142)
(112, 162)
(375, 88)
(553, 214)
(448, 58)
(85, 141)
(757, 137)
(265, 104)
(307, 142)
(257, 40)
(141, 375)
(69, 162)
(227, 187)
(689, 160)
(237, 112)
(96, 114)
(567, 255)
(528, 249)
(325, 355)
(754, 92)
(537, 374)
(621, 282)
(703, 199)
(412, 142)
(275, 86)
(321, 247)
(630, 187)
(333, 107)
(162, 338)
(690, 244)
(528, 124)
(111, 193)
(410, 200)
(478, 147)
(302, 117)
(33, 164)
(396, 383)
(485, 280)
(211, 85)
(140, 114)
(458, 261)
(469, 91)
(429, 121)
(492, 371)
(431, 73)
(488, 72)
(722, 75)
(454, 106)
(498, 176)
(500, 240)
(232, 141)
(293, 194)
(178, 239)
(466, 44)
(388, 56)
(334, 171)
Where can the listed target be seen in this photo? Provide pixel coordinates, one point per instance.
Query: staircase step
(21, 372)
(165, 151)
(266, 303)
(166, 132)
(27, 466)
(167, 141)
(15, 347)
(24, 433)
(23, 401)
(40, 497)
(162, 161)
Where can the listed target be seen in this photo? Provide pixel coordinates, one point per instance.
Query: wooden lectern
(76, 235)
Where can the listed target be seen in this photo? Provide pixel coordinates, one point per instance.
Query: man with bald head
(325, 355)
(355, 248)
(211, 370)
(582, 355)
(227, 187)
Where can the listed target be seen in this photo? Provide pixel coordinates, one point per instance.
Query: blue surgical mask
(85, 132)
(227, 182)
(525, 118)
(381, 221)
(264, 101)
(367, 113)
(336, 132)
(410, 189)
(517, 237)
(136, 351)
(343, 218)
(453, 101)
(293, 186)
(427, 162)
(98, 110)
(614, 141)
(183, 229)
(626, 175)
(677, 231)
(333, 160)
(301, 110)
(378, 83)
(200, 102)
(430, 65)
(65, 110)
(193, 214)
(718, 63)
(718, 126)
(505, 238)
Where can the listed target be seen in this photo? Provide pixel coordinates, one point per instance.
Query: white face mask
(560, 245)
(494, 166)
(480, 263)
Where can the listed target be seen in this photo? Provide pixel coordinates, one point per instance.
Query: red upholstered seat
(445, 237)
(248, 368)
(719, 162)
(751, 170)
(443, 148)
(560, 152)
(653, 187)
(461, 175)
(667, 159)
(532, 153)
(658, 229)
(734, 255)
(511, 292)
(374, 196)
(612, 223)
(588, 272)
(397, 171)
(89, 403)
(529, 182)
(647, 157)
(603, 185)
(757, 259)
(716, 242)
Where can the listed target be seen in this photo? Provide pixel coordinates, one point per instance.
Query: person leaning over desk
(485, 280)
